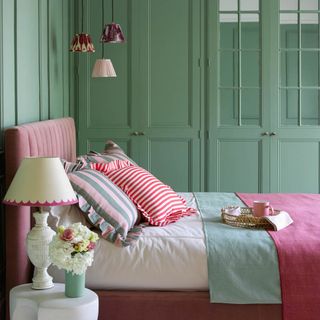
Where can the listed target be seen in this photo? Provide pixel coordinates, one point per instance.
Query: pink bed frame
(58, 138)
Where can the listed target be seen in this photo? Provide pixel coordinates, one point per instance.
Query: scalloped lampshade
(40, 182)
(82, 42)
(112, 33)
(103, 68)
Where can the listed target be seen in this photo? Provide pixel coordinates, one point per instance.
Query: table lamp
(40, 182)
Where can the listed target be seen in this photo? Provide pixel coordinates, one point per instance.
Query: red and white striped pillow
(155, 200)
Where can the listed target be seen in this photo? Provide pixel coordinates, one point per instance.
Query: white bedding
(164, 258)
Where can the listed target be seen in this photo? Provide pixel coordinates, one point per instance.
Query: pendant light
(112, 32)
(81, 42)
(103, 68)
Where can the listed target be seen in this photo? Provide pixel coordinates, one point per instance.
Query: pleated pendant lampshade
(103, 68)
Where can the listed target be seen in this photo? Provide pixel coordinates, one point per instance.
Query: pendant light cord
(82, 15)
(102, 17)
(112, 12)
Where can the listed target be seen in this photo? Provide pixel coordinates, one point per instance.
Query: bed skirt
(157, 305)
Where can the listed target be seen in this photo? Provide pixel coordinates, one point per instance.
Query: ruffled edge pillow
(106, 206)
(158, 203)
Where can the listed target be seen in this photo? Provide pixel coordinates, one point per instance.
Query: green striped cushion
(72, 166)
(106, 206)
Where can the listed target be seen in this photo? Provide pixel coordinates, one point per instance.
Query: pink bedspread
(298, 248)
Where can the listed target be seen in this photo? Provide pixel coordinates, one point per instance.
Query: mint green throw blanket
(242, 263)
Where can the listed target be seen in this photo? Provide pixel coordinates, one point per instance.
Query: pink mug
(262, 209)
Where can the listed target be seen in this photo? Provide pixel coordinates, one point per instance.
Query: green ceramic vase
(74, 284)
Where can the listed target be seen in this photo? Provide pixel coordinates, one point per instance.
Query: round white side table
(51, 304)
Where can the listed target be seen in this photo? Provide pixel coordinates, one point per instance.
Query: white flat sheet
(164, 258)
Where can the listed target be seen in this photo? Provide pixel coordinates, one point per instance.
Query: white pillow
(65, 215)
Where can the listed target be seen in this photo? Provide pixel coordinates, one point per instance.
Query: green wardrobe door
(238, 120)
(169, 102)
(295, 119)
(152, 109)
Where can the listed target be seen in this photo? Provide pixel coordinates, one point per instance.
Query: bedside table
(51, 304)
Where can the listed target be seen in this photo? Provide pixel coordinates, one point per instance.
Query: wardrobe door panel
(173, 155)
(298, 165)
(239, 164)
(169, 91)
(237, 120)
(295, 146)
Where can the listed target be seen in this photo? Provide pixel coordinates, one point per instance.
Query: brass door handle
(137, 133)
(273, 134)
(265, 133)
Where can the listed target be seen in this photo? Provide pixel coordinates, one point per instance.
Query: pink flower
(67, 235)
(91, 246)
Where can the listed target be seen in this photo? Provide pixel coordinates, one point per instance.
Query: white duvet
(164, 258)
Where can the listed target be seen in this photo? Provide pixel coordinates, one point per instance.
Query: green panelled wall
(35, 72)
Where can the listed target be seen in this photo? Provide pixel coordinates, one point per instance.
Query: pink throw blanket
(298, 248)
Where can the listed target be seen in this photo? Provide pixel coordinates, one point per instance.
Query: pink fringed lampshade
(103, 68)
(82, 43)
(112, 33)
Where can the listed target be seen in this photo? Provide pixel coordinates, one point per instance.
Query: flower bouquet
(72, 249)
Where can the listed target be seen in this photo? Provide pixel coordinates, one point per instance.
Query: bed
(178, 301)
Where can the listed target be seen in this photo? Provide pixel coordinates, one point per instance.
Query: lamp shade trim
(40, 204)
(40, 182)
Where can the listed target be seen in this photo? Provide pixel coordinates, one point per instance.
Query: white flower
(72, 248)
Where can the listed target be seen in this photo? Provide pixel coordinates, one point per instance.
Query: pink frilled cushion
(158, 203)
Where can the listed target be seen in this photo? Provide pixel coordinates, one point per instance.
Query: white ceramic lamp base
(38, 240)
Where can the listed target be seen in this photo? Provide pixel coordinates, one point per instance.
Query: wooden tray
(245, 219)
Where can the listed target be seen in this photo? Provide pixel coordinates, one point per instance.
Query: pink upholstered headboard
(46, 138)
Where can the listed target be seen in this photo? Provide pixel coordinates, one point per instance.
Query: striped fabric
(106, 207)
(156, 201)
(112, 149)
(111, 152)
(72, 166)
